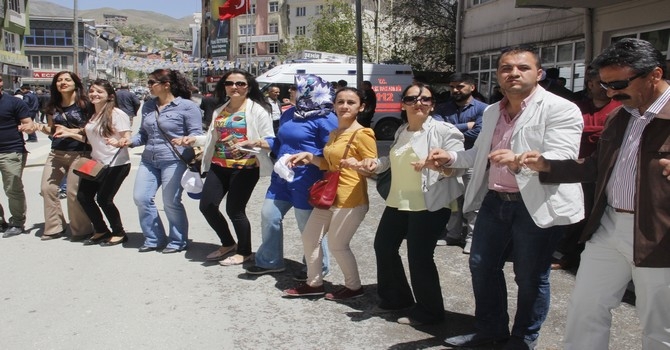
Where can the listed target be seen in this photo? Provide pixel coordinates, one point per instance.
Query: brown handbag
(322, 193)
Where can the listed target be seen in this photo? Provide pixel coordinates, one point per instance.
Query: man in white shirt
(273, 100)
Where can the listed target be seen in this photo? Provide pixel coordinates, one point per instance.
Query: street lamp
(197, 18)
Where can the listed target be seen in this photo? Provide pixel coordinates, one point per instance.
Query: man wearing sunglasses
(628, 232)
(516, 211)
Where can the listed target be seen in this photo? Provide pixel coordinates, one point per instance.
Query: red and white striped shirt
(621, 186)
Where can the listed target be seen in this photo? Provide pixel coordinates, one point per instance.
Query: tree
(333, 31)
(427, 38)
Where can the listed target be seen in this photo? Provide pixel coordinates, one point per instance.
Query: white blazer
(259, 125)
(549, 124)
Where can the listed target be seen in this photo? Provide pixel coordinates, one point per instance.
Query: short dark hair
(341, 83)
(515, 50)
(553, 73)
(637, 54)
(462, 78)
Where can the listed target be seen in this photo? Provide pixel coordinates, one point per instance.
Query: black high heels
(97, 238)
(109, 242)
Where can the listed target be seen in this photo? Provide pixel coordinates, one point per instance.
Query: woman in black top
(68, 107)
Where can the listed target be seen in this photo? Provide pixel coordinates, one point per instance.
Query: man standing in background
(33, 107)
(465, 112)
(127, 101)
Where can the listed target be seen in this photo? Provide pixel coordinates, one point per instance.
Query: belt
(623, 211)
(508, 196)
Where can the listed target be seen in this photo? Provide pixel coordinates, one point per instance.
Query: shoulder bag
(322, 193)
(91, 169)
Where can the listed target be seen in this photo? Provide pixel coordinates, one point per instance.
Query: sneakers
(62, 194)
(304, 290)
(13, 231)
(441, 242)
(300, 276)
(345, 293)
(257, 270)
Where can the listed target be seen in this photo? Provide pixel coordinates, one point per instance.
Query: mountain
(164, 25)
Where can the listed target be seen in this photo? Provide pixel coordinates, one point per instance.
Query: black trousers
(238, 184)
(104, 192)
(421, 229)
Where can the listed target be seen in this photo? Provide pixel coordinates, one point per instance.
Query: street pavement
(62, 295)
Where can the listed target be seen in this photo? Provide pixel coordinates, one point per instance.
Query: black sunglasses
(153, 82)
(620, 84)
(239, 84)
(410, 100)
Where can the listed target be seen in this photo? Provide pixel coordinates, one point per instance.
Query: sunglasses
(424, 100)
(152, 82)
(239, 84)
(620, 84)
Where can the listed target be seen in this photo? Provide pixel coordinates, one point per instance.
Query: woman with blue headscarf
(303, 128)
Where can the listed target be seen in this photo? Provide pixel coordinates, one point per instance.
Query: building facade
(14, 65)
(567, 34)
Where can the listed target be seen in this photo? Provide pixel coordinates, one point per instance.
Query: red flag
(233, 8)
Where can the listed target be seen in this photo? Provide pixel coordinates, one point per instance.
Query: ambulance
(388, 82)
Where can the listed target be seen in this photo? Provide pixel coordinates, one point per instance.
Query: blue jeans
(270, 254)
(151, 175)
(503, 226)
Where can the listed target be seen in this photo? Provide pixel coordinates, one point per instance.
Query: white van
(388, 81)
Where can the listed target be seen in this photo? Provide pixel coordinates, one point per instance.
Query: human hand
(351, 163)
(183, 141)
(418, 166)
(436, 159)
(534, 161)
(302, 158)
(369, 164)
(665, 163)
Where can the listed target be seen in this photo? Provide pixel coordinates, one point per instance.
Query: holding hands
(535, 161)
(183, 141)
(665, 163)
(436, 159)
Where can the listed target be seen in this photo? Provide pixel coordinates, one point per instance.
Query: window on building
(273, 28)
(252, 9)
(11, 42)
(14, 5)
(274, 6)
(300, 11)
(49, 37)
(249, 48)
(45, 62)
(319, 9)
(247, 29)
(273, 48)
(301, 30)
(479, 2)
(659, 38)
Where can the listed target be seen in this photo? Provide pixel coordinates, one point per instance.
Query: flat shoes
(235, 260)
(221, 253)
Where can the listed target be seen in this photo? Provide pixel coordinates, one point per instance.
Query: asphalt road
(62, 295)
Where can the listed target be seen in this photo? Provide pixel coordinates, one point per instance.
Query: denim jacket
(181, 117)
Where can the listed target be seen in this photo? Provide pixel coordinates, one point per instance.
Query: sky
(173, 8)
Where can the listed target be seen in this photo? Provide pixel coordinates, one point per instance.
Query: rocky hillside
(165, 26)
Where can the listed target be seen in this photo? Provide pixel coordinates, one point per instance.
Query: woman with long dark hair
(232, 170)
(68, 108)
(169, 114)
(417, 209)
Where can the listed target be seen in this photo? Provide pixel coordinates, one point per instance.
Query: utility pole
(75, 41)
(359, 44)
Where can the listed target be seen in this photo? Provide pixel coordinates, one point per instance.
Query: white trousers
(605, 270)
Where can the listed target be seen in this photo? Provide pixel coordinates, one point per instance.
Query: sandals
(236, 259)
(221, 253)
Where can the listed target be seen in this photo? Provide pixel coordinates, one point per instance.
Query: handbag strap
(115, 155)
(174, 149)
(346, 149)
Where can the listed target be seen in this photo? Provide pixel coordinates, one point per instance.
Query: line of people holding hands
(525, 184)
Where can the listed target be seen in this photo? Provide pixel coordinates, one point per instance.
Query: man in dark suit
(627, 234)
(127, 101)
(33, 106)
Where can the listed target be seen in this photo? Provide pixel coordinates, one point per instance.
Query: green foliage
(427, 38)
(334, 30)
(144, 36)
